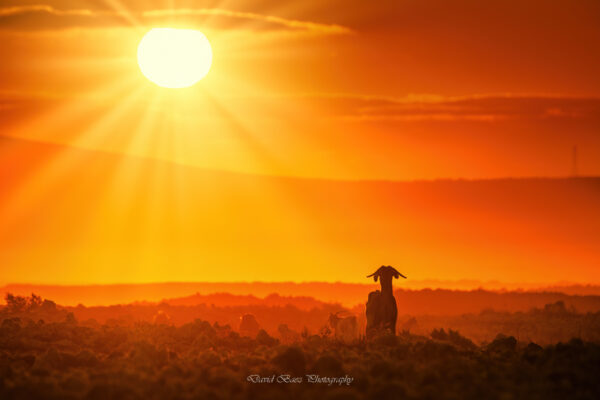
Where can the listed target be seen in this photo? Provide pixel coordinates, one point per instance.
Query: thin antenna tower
(574, 171)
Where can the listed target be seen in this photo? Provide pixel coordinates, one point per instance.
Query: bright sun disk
(174, 58)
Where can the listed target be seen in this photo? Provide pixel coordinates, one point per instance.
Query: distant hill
(189, 293)
(541, 316)
(413, 302)
(306, 296)
(228, 300)
(456, 302)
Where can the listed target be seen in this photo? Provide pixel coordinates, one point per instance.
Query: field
(47, 352)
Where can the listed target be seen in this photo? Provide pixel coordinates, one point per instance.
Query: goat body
(345, 328)
(382, 313)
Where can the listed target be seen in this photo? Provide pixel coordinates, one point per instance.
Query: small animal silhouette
(248, 325)
(382, 311)
(161, 318)
(345, 328)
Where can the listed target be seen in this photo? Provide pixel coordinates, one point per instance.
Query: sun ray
(124, 12)
(31, 189)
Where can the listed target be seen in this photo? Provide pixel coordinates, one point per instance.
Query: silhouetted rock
(248, 325)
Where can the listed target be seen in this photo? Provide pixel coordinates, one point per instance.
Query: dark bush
(328, 365)
(262, 337)
(503, 344)
(291, 360)
(68, 359)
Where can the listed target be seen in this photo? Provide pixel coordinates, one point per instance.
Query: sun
(174, 58)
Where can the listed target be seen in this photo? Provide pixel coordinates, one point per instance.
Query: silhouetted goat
(381, 305)
(345, 328)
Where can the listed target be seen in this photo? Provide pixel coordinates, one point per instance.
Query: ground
(65, 360)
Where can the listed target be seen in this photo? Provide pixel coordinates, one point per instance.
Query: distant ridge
(186, 293)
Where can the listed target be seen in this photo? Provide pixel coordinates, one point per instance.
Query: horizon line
(426, 280)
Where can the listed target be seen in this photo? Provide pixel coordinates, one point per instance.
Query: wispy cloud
(283, 22)
(412, 108)
(41, 8)
(36, 17)
(492, 107)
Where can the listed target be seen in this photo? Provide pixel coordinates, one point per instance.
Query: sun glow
(174, 58)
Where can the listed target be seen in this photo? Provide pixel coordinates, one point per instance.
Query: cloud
(490, 107)
(282, 22)
(40, 8)
(44, 17)
(413, 108)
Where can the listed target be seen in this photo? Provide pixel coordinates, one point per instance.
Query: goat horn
(396, 271)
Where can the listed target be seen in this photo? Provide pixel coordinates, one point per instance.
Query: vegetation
(548, 325)
(61, 358)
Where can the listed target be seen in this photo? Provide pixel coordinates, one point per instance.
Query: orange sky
(352, 90)
(342, 89)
